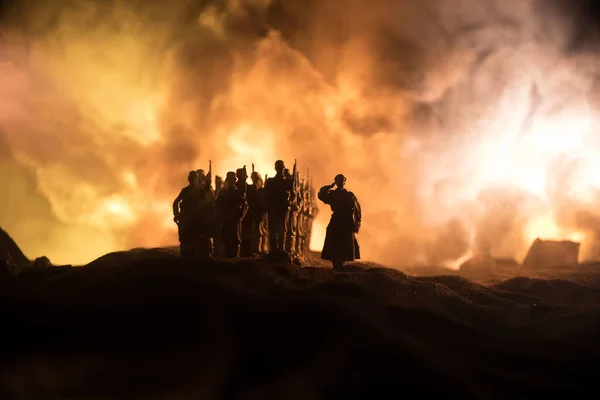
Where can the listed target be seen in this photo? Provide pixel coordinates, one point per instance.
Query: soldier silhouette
(251, 226)
(206, 223)
(302, 218)
(231, 208)
(295, 204)
(277, 198)
(340, 240)
(187, 209)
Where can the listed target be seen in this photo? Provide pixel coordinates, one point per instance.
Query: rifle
(294, 183)
(209, 175)
(245, 195)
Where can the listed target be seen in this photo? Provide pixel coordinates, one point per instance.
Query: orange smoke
(106, 107)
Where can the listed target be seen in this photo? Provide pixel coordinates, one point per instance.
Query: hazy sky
(462, 125)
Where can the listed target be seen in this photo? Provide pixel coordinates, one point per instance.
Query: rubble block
(42, 262)
(552, 254)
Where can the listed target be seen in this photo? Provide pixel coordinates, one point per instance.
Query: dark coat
(340, 240)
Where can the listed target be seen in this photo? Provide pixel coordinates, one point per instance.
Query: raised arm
(323, 194)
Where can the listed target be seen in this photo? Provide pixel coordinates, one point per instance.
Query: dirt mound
(145, 324)
(8, 245)
(553, 290)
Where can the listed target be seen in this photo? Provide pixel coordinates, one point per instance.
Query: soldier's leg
(300, 237)
(204, 248)
(254, 235)
(264, 235)
(282, 231)
(237, 240)
(292, 225)
(283, 223)
(219, 248)
(186, 249)
(247, 237)
(229, 232)
(287, 244)
(294, 230)
(273, 232)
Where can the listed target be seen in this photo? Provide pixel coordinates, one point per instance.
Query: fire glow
(111, 120)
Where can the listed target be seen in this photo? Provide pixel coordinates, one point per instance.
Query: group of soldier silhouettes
(237, 219)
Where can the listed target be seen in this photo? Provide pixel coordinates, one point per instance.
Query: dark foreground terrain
(143, 324)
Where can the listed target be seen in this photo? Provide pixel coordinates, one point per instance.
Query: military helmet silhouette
(192, 176)
(230, 176)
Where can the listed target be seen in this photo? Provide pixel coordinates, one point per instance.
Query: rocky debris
(552, 254)
(42, 262)
(8, 245)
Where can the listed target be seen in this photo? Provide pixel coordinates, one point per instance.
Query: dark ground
(144, 324)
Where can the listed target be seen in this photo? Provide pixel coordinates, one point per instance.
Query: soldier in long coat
(340, 240)
(278, 196)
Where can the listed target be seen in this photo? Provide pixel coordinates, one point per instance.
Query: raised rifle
(245, 179)
(294, 180)
(292, 194)
(245, 195)
(209, 175)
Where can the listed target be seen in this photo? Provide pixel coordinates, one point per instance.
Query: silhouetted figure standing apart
(340, 241)
(231, 207)
(277, 197)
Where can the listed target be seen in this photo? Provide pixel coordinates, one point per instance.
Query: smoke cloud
(464, 127)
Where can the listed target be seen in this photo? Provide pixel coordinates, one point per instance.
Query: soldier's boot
(338, 265)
